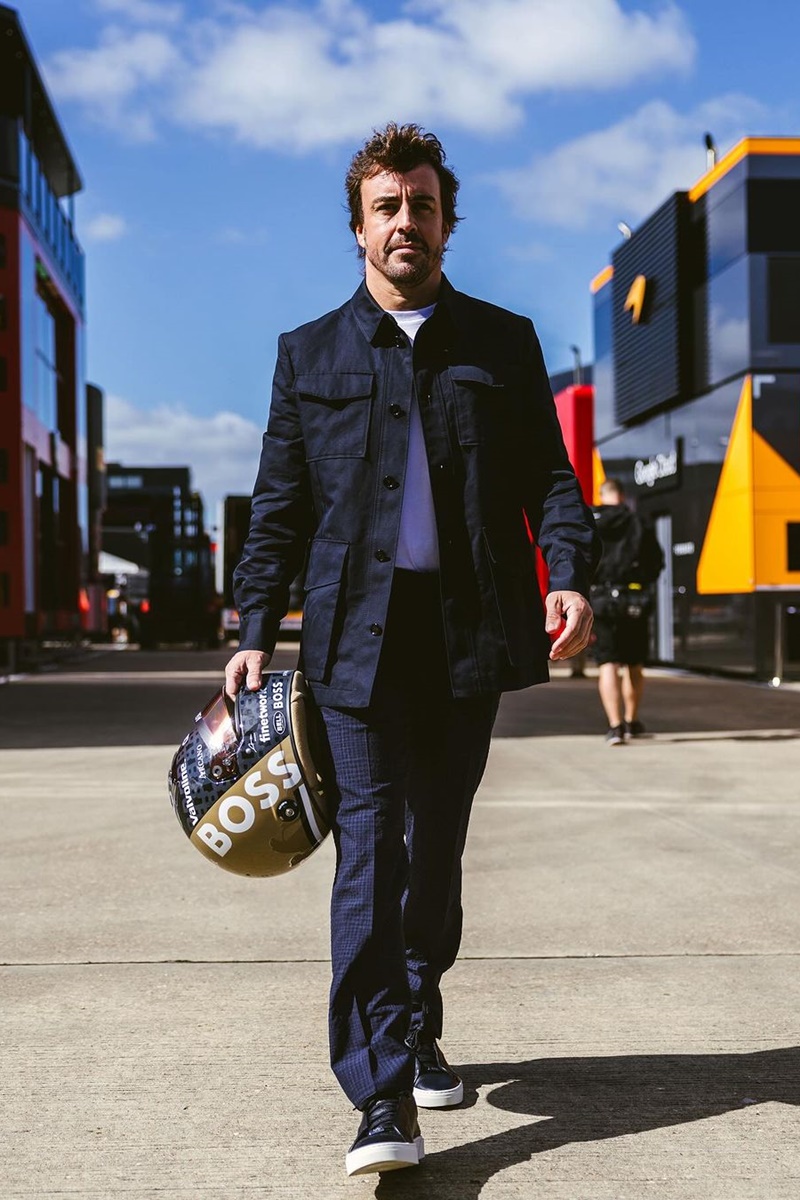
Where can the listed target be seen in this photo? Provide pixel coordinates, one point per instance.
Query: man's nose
(405, 218)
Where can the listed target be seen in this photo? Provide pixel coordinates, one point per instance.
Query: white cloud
(297, 78)
(105, 227)
(145, 12)
(627, 170)
(222, 450)
(110, 80)
(231, 235)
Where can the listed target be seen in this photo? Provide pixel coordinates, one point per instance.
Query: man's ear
(362, 241)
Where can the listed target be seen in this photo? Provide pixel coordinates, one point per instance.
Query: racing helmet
(246, 783)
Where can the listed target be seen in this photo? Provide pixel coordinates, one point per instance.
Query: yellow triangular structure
(777, 501)
(727, 560)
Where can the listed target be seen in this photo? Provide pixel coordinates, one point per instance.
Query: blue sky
(213, 136)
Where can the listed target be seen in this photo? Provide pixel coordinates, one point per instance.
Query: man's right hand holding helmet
(246, 666)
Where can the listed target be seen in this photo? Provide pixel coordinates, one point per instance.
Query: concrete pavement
(626, 1010)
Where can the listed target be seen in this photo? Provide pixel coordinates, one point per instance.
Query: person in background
(621, 601)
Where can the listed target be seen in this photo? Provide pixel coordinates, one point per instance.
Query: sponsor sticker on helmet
(244, 783)
(255, 805)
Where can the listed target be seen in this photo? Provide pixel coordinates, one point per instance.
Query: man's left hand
(572, 611)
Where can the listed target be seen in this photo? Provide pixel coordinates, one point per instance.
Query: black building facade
(697, 407)
(154, 518)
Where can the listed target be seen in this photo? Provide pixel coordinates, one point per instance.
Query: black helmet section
(246, 783)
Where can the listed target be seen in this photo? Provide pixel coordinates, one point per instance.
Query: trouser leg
(369, 1003)
(414, 750)
(447, 767)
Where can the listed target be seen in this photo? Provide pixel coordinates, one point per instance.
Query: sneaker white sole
(446, 1098)
(390, 1156)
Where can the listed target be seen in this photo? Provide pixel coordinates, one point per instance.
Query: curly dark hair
(400, 148)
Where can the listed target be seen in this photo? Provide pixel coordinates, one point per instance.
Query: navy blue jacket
(330, 487)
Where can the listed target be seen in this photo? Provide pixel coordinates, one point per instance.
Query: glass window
(5, 589)
(46, 374)
(727, 231)
(4, 527)
(2, 251)
(773, 207)
(783, 301)
(3, 373)
(729, 322)
(3, 466)
(118, 482)
(793, 545)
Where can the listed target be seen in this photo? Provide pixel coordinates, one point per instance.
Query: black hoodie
(631, 552)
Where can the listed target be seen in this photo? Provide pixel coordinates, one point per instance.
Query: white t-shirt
(417, 544)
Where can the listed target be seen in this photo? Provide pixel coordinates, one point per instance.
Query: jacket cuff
(568, 577)
(258, 631)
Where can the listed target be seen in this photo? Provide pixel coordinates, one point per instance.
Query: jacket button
(382, 556)
(396, 410)
(376, 630)
(390, 482)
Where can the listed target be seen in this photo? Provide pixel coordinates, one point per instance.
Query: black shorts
(621, 640)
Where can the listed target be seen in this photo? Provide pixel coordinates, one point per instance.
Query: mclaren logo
(636, 298)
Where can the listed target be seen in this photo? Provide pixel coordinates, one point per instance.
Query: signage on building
(636, 298)
(660, 471)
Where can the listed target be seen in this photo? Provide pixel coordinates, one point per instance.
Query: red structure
(43, 451)
(575, 408)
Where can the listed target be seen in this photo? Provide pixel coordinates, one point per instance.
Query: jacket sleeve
(281, 519)
(561, 523)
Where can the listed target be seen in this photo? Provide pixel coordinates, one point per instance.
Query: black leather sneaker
(436, 1084)
(388, 1137)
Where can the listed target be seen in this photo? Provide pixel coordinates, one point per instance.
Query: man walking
(410, 433)
(632, 559)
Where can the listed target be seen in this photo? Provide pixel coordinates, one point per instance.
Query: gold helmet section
(271, 812)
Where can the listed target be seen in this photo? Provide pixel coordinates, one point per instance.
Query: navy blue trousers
(406, 770)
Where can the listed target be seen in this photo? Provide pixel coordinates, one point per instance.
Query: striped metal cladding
(651, 357)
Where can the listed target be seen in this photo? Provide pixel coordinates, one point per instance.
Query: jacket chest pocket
(481, 405)
(334, 412)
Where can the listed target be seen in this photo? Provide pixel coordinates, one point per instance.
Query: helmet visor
(216, 728)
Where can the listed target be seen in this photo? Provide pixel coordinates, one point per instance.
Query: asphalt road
(110, 697)
(625, 1010)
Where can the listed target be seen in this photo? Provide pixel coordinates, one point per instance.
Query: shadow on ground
(150, 698)
(576, 1100)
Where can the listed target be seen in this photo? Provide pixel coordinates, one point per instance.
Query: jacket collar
(380, 328)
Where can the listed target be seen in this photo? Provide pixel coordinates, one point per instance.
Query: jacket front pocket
(323, 606)
(334, 409)
(479, 404)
